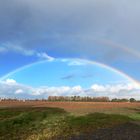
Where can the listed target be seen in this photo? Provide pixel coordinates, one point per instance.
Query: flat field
(41, 120)
(79, 108)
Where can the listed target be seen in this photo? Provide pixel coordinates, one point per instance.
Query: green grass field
(42, 123)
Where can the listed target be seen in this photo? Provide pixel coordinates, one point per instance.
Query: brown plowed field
(78, 107)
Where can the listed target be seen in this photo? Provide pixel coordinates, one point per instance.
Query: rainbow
(122, 47)
(130, 79)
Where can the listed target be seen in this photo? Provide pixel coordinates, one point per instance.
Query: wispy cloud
(3, 50)
(44, 55)
(67, 77)
(76, 63)
(72, 76)
(8, 47)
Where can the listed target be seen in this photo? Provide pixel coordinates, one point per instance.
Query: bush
(132, 100)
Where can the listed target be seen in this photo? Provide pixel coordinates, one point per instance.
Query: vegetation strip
(52, 123)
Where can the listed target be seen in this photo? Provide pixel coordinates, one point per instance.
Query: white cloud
(10, 81)
(11, 89)
(19, 91)
(45, 56)
(74, 62)
(114, 88)
(98, 88)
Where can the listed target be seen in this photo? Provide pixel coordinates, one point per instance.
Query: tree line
(78, 98)
(74, 99)
(88, 99)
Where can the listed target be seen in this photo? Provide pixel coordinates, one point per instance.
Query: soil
(128, 131)
(77, 107)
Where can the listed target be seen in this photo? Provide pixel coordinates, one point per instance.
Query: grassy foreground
(51, 123)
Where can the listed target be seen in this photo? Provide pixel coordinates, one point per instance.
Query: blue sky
(67, 77)
(103, 31)
(66, 72)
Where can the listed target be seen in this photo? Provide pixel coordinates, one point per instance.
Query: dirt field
(33, 120)
(79, 107)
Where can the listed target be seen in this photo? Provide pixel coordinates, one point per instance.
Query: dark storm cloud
(35, 22)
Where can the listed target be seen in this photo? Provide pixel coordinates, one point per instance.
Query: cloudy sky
(103, 31)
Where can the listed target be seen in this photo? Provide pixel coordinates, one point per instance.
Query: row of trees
(88, 99)
(78, 98)
(123, 100)
(75, 98)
